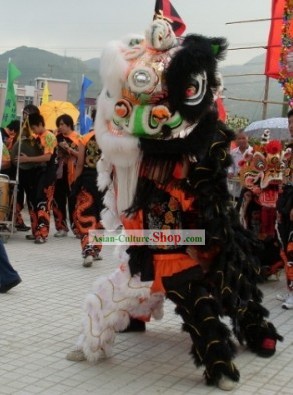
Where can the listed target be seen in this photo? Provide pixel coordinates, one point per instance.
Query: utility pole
(51, 66)
(285, 107)
(265, 100)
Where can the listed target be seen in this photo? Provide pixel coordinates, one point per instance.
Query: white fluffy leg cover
(109, 215)
(108, 309)
(104, 170)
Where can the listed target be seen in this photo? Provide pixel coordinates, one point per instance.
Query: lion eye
(196, 90)
(259, 165)
(282, 166)
(191, 90)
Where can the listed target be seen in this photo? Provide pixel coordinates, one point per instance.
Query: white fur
(119, 150)
(108, 307)
(126, 179)
(122, 152)
(104, 170)
(113, 66)
(110, 219)
(116, 297)
(160, 35)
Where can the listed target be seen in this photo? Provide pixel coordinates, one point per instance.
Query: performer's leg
(71, 209)
(9, 277)
(59, 206)
(288, 302)
(251, 327)
(85, 218)
(107, 310)
(212, 346)
(271, 259)
(28, 182)
(32, 209)
(34, 220)
(43, 213)
(135, 325)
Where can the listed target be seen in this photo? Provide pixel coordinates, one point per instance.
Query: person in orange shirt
(6, 161)
(26, 142)
(86, 198)
(68, 141)
(10, 133)
(5, 166)
(42, 183)
(10, 136)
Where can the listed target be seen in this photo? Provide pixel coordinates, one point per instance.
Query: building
(58, 89)
(28, 94)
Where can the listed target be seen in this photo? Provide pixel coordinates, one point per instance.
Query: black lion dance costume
(164, 166)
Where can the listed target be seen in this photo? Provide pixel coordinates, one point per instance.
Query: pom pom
(273, 147)
(241, 163)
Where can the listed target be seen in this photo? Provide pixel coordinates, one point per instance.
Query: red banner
(222, 115)
(272, 67)
(164, 9)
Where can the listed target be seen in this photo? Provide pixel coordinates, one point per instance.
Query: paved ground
(40, 321)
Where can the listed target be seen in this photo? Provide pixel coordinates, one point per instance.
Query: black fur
(230, 285)
(195, 56)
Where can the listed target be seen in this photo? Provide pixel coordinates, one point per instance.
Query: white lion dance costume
(164, 166)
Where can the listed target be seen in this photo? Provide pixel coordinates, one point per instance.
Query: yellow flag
(46, 93)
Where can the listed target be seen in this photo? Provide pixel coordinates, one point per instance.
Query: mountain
(34, 62)
(242, 82)
(93, 63)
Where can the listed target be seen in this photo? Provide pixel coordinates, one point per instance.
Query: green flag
(9, 113)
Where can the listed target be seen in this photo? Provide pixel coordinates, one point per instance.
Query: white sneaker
(60, 233)
(288, 304)
(274, 277)
(88, 261)
(282, 297)
(76, 356)
(226, 384)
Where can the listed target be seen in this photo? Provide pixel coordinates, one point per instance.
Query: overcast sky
(81, 28)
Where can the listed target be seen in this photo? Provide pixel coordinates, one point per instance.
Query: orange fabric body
(73, 140)
(166, 264)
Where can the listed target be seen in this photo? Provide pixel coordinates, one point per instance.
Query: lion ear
(219, 47)
(247, 156)
(287, 154)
